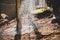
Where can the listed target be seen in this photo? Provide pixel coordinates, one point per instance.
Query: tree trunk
(26, 7)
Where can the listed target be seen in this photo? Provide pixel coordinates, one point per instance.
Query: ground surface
(45, 31)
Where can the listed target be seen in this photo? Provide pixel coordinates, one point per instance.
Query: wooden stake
(18, 29)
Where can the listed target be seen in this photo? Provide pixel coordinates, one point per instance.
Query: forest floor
(45, 31)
